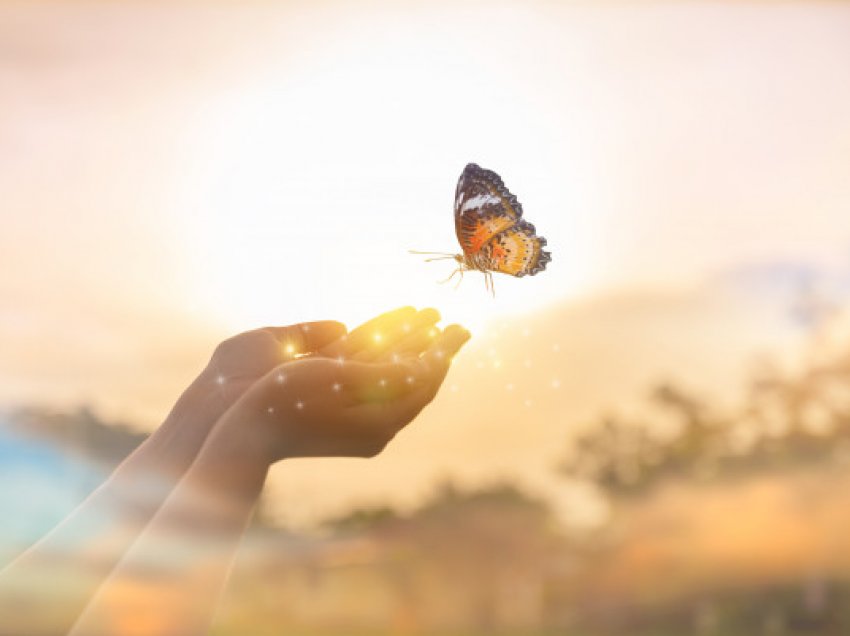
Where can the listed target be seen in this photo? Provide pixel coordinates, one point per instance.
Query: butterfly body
(491, 231)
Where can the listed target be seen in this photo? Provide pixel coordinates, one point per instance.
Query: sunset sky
(175, 172)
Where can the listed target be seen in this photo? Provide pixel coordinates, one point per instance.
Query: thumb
(307, 337)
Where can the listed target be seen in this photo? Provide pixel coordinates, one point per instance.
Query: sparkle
(497, 364)
(382, 382)
(453, 388)
(289, 348)
(270, 410)
(440, 353)
(221, 379)
(509, 386)
(340, 360)
(556, 383)
(377, 337)
(410, 379)
(305, 327)
(406, 328)
(280, 378)
(528, 403)
(337, 387)
(299, 405)
(432, 333)
(396, 358)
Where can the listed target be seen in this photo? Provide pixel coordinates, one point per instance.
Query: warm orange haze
(649, 437)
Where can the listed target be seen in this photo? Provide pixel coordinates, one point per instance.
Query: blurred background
(652, 437)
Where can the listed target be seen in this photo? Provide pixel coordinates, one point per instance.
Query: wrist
(251, 437)
(233, 462)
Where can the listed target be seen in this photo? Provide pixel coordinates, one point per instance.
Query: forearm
(57, 576)
(175, 571)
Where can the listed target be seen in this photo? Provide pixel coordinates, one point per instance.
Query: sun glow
(310, 185)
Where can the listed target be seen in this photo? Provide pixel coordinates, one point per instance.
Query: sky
(172, 173)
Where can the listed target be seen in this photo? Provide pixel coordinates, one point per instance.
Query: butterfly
(491, 231)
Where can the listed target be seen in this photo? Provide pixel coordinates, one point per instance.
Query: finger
(391, 416)
(446, 345)
(385, 342)
(396, 414)
(363, 335)
(307, 337)
(431, 369)
(414, 344)
(439, 355)
(363, 382)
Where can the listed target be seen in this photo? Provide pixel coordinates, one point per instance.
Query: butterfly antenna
(440, 254)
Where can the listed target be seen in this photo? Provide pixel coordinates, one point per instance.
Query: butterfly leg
(459, 280)
(452, 276)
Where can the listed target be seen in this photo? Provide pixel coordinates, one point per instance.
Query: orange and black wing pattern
(488, 222)
(517, 251)
(483, 208)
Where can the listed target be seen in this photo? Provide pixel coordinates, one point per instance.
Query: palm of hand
(320, 406)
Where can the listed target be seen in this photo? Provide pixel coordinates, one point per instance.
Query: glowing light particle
(382, 382)
(556, 383)
(377, 337)
(340, 360)
(270, 410)
(280, 378)
(509, 386)
(299, 405)
(528, 403)
(289, 348)
(220, 380)
(406, 328)
(337, 387)
(410, 379)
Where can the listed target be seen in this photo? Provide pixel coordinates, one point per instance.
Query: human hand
(319, 406)
(240, 361)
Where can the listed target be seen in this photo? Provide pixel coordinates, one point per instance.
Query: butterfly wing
(517, 251)
(484, 207)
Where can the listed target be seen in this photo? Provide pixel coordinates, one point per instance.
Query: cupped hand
(321, 406)
(240, 361)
